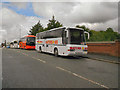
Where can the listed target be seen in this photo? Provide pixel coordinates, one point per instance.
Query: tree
(109, 30)
(36, 28)
(110, 34)
(83, 27)
(53, 24)
(118, 37)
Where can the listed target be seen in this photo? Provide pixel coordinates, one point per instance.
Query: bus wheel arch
(56, 52)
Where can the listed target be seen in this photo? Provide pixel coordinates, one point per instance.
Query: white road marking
(33, 57)
(39, 60)
(84, 78)
(77, 75)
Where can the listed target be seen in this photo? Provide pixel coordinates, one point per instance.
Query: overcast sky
(21, 16)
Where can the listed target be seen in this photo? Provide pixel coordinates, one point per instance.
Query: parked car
(8, 46)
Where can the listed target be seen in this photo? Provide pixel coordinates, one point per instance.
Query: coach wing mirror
(66, 36)
(87, 34)
(66, 33)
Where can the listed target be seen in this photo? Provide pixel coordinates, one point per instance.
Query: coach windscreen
(31, 41)
(77, 36)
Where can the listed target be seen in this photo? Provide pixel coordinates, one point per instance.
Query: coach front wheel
(56, 52)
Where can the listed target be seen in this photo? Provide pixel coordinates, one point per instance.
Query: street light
(3, 36)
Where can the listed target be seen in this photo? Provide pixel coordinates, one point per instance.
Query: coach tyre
(56, 52)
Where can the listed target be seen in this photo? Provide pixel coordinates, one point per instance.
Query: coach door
(48, 45)
(44, 46)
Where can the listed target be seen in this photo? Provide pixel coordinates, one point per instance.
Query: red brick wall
(110, 48)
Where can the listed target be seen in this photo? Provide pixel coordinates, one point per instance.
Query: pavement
(30, 69)
(101, 56)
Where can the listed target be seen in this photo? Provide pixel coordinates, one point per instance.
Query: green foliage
(39, 28)
(108, 35)
(118, 37)
(83, 27)
(53, 24)
(109, 30)
(36, 28)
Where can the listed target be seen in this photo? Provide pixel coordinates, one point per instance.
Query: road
(30, 69)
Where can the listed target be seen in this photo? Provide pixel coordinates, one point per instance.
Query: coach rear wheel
(56, 52)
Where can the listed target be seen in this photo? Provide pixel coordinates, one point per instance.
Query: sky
(20, 15)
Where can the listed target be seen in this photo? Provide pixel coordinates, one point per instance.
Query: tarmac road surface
(30, 69)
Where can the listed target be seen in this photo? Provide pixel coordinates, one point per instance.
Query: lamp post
(4, 36)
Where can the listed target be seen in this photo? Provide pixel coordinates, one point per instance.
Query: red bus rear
(27, 42)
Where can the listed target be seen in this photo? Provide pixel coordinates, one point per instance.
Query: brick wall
(110, 48)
